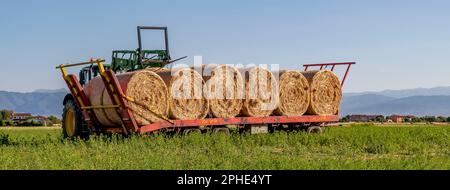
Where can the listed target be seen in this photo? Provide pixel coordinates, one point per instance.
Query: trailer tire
(314, 129)
(221, 130)
(73, 125)
(191, 131)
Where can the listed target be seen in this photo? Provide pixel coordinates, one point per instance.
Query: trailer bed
(273, 120)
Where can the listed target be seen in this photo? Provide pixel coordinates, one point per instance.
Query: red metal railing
(333, 65)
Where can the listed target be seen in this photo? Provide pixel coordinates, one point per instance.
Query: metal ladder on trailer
(118, 98)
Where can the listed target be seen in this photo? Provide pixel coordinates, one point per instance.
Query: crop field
(352, 147)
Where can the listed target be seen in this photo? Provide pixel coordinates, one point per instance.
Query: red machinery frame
(119, 100)
(129, 124)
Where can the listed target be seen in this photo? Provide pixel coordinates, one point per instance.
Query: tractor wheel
(314, 129)
(73, 125)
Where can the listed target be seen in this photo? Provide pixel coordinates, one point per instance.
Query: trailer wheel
(314, 129)
(73, 125)
(221, 130)
(191, 131)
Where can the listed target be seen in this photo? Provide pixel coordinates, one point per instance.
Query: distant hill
(437, 91)
(414, 105)
(365, 100)
(37, 103)
(51, 91)
(419, 101)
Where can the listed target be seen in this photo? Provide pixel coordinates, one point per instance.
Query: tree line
(423, 119)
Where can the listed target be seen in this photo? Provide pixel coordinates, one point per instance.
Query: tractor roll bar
(166, 40)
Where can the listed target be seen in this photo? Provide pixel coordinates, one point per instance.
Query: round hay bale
(95, 90)
(326, 93)
(145, 87)
(294, 94)
(224, 90)
(185, 87)
(261, 92)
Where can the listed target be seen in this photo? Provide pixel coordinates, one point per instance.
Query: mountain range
(419, 102)
(39, 102)
(437, 91)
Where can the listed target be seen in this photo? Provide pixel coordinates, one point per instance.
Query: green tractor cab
(128, 60)
(132, 60)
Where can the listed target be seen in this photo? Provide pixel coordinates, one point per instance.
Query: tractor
(74, 121)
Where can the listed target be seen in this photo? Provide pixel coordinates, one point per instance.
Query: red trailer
(80, 120)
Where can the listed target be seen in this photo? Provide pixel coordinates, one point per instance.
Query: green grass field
(354, 147)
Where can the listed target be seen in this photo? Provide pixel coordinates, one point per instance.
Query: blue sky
(396, 44)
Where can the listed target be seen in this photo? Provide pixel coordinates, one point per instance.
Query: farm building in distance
(363, 118)
(380, 118)
(401, 118)
(39, 119)
(20, 116)
(28, 117)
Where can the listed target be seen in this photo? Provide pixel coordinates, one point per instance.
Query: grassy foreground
(355, 147)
